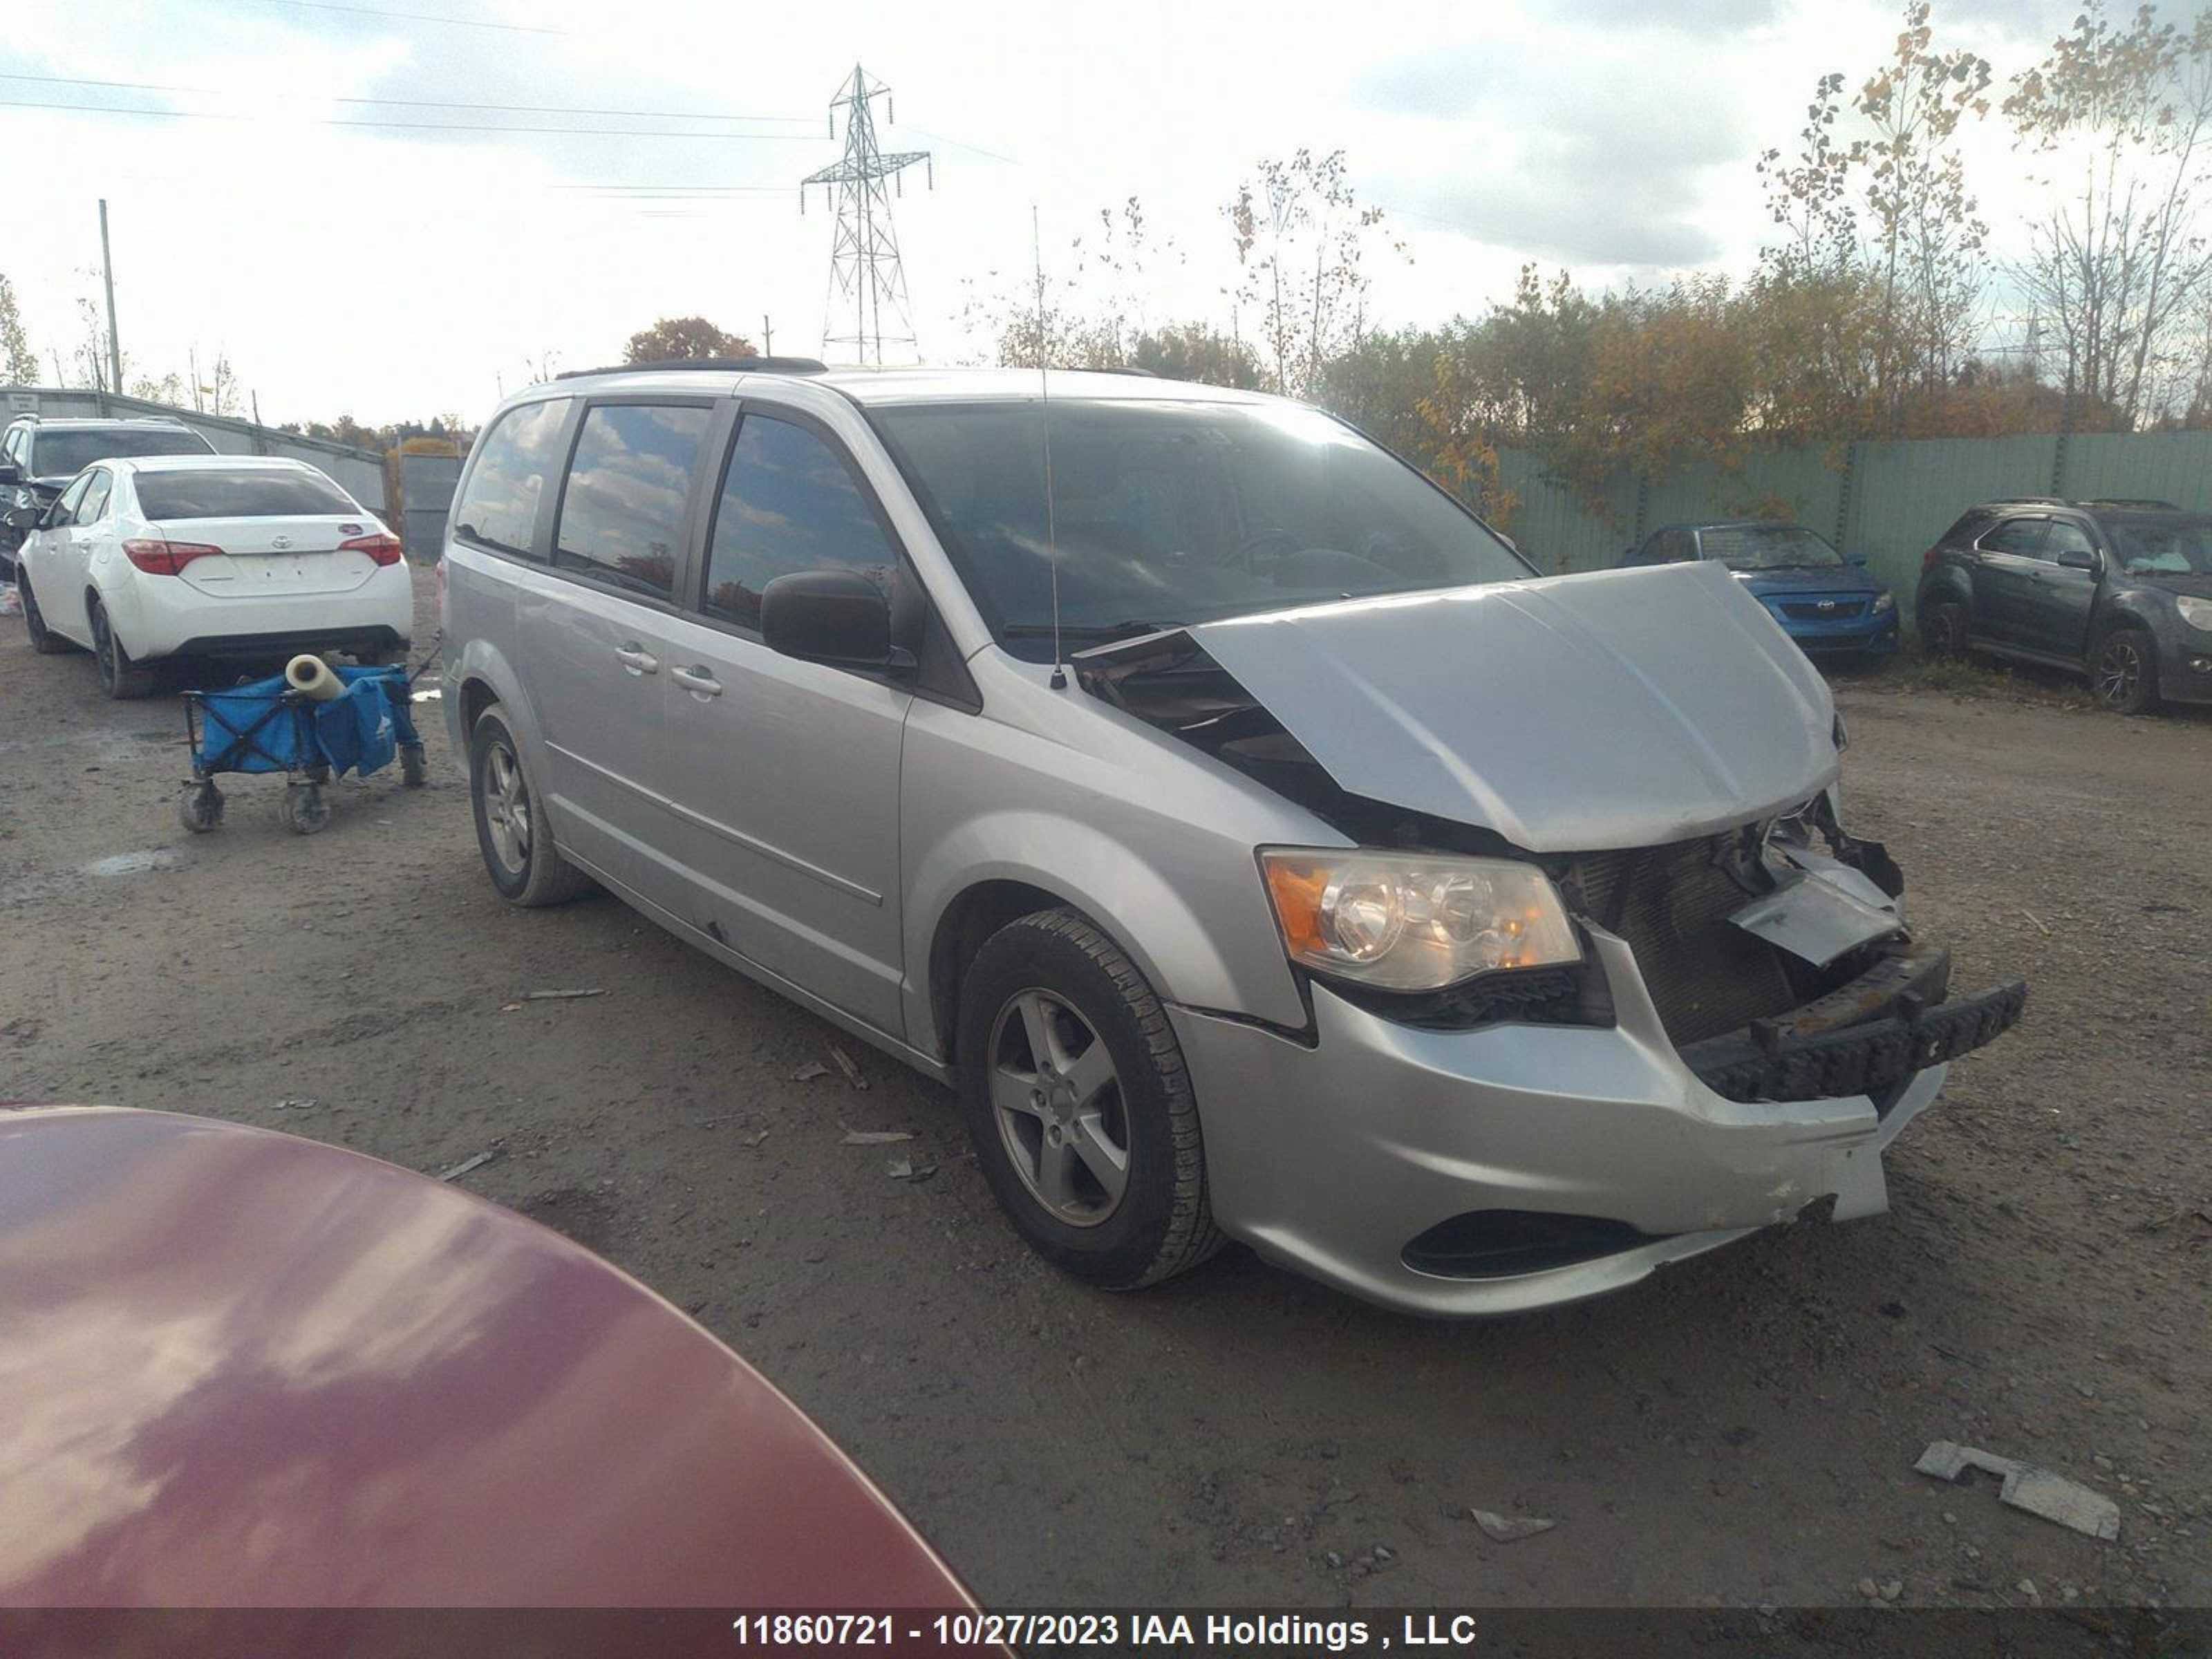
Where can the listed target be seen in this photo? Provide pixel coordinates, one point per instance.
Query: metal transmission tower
(865, 278)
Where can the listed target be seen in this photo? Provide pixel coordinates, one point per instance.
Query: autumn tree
(674, 340)
(1875, 204)
(19, 364)
(2122, 111)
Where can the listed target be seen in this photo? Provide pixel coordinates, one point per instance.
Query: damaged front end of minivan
(1681, 1003)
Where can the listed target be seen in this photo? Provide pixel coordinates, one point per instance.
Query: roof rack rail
(2027, 501)
(754, 364)
(1127, 368)
(2140, 503)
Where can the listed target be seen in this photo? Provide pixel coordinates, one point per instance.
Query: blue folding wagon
(265, 725)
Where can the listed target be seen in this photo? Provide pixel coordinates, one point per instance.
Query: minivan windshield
(1768, 547)
(1165, 513)
(64, 454)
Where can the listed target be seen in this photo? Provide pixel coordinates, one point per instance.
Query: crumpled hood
(1568, 714)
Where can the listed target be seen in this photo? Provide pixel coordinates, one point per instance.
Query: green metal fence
(1889, 499)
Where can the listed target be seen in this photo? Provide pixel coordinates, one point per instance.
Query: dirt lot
(1739, 1431)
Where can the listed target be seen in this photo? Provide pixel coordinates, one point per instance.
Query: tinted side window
(2020, 537)
(94, 507)
(622, 510)
(515, 462)
(2065, 537)
(789, 503)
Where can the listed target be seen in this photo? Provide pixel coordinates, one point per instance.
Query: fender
(1136, 904)
(482, 663)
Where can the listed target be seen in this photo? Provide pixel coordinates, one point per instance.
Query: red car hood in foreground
(239, 1369)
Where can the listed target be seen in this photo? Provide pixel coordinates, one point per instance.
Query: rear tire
(1044, 1126)
(516, 842)
(119, 676)
(1943, 632)
(2124, 673)
(44, 640)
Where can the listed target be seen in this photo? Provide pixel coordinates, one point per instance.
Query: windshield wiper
(1120, 630)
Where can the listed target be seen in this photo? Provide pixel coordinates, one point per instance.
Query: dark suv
(38, 457)
(2120, 590)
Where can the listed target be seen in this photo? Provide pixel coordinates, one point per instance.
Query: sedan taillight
(383, 548)
(166, 558)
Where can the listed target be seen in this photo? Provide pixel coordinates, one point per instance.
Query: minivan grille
(1671, 906)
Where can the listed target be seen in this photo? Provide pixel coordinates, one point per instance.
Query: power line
(418, 103)
(417, 16)
(424, 127)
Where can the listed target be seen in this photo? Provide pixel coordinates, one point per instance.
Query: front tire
(512, 833)
(119, 676)
(2125, 673)
(1080, 1107)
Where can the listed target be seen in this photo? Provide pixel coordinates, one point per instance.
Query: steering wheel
(1267, 544)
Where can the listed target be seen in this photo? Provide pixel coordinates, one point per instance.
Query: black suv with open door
(2120, 590)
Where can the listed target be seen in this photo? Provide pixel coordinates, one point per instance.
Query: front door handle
(700, 681)
(638, 660)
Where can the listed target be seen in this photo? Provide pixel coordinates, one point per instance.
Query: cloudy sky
(394, 208)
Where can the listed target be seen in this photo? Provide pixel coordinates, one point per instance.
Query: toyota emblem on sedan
(1825, 604)
(280, 543)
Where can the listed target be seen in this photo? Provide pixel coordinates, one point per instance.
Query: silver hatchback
(1254, 841)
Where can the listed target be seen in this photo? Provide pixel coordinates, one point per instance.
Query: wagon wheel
(199, 807)
(303, 809)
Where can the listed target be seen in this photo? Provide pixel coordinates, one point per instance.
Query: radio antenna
(1044, 419)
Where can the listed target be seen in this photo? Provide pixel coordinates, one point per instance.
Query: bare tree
(1927, 235)
(1301, 239)
(2119, 260)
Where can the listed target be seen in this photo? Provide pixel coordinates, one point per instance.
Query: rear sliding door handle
(638, 660)
(700, 681)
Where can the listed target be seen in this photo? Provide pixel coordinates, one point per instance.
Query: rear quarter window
(1970, 525)
(516, 463)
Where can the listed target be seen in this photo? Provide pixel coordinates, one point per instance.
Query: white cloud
(391, 274)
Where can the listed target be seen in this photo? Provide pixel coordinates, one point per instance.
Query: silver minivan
(1255, 843)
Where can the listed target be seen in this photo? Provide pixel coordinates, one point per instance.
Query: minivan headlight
(2197, 613)
(1414, 922)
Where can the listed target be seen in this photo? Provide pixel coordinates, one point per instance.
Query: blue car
(1824, 601)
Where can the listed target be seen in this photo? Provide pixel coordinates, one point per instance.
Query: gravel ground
(1740, 1430)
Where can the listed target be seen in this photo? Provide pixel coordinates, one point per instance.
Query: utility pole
(767, 338)
(107, 270)
(865, 271)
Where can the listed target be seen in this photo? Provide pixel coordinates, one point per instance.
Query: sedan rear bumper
(1347, 1157)
(178, 620)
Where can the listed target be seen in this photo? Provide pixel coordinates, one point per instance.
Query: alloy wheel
(507, 807)
(1057, 1099)
(2119, 670)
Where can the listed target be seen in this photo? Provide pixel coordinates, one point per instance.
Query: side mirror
(2075, 559)
(1857, 559)
(831, 616)
(11, 473)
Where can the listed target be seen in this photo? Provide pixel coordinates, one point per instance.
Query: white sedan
(210, 556)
